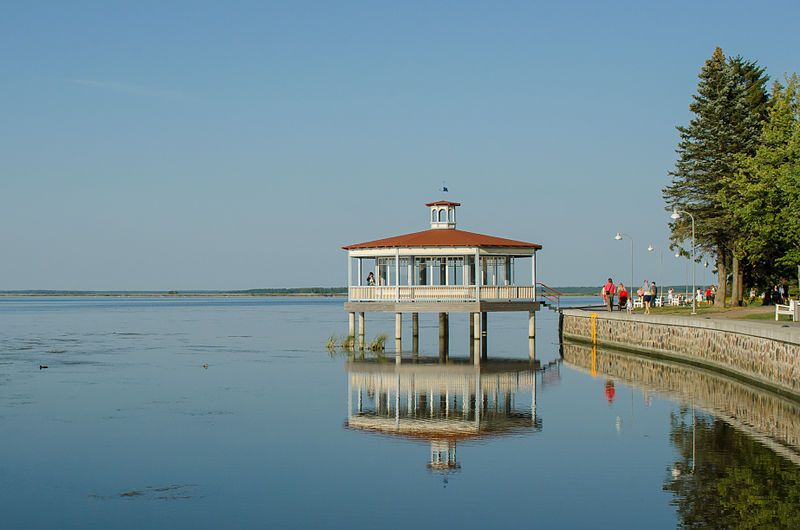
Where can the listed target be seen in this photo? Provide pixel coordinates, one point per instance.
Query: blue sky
(169, 145)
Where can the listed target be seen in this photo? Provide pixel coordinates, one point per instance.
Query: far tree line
(738, 174)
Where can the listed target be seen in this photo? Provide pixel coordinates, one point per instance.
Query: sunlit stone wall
(765, 353)
(773, 419)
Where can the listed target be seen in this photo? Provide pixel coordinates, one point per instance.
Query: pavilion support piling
(484, 334)
(443, 336)
(398, 332)
(361, 337)
(351, 324)
(472, 337)
(415, 332)
(532, 335)
(447, 333)
(476, 338)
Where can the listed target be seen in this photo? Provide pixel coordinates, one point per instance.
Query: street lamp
(619, 237)
(651, 248)
(677, 215)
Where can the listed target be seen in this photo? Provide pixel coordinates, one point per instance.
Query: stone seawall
(762, 353)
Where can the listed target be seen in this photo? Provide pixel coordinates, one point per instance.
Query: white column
(477, 275)
(397, 274)
(398, 329)
(531, 324)
(360, 272)
(533, 274)
(349, 274)
(532, 335)
(429, 272)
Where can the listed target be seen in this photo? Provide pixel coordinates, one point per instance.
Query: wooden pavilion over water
(442, 270)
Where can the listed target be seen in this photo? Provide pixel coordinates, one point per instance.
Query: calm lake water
(126, 428)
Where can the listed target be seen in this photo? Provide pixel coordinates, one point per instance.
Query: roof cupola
(443, 214)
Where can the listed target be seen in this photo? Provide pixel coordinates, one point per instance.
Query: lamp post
(619, 237)
(651, 248)
(677, 215)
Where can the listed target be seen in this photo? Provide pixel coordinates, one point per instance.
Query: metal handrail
(551, 295)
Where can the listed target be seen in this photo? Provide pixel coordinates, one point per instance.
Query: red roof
(443, 203)
(443, 238)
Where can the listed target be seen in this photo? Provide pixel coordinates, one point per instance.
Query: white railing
(439, 293)
(507, 292)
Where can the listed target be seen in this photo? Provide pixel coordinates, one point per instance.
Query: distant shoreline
(332, 293)
(163, 294)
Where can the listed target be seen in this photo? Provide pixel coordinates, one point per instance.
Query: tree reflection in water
(735, 481)
(738, 445)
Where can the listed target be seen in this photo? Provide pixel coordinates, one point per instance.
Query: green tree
(789, 183)
(764, 198)
(729, 107)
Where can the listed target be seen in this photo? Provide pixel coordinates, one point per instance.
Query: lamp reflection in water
(422, 399)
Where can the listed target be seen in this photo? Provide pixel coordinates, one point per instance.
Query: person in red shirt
(609, 290)
(708, 294)
(610, 391)
(623, 296)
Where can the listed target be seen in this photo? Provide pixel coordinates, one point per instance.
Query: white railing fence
(439, 293)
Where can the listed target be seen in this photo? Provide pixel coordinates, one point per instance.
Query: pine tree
(728, 110)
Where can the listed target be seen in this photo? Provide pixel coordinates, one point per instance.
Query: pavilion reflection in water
(443, 403)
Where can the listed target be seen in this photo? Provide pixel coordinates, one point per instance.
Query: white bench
(638, 302)
(793, 310)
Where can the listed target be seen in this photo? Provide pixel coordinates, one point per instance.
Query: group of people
(779, 294)
(647, 292)
(708, 296)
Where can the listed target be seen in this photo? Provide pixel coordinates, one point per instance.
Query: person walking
(608, 294)
(647, 297)
(653, 294)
